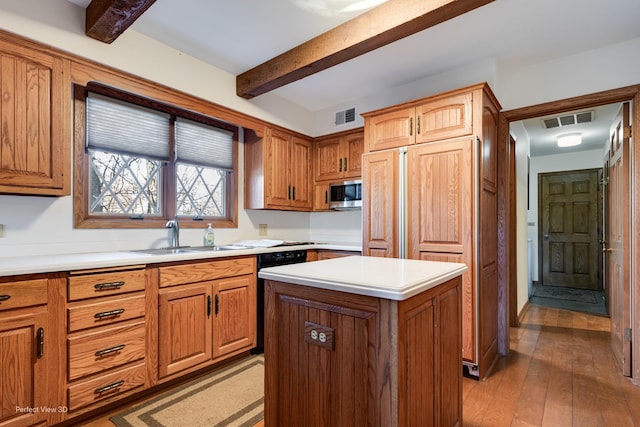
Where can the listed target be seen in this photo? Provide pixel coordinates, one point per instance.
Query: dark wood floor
(560, 373)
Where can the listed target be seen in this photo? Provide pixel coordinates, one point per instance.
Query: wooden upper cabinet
(34, 122)
(300, 173)
(277, 171)
(339, 156)
(445, 116)
(389, 130)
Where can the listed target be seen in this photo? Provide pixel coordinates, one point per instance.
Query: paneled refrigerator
(438, 201)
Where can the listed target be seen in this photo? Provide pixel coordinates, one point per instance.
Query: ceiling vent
(568, 119)
(345, 116)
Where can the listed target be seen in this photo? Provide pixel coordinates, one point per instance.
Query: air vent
(568, 119)
(345, 116)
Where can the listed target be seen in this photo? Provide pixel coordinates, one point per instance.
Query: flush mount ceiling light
(569, 140)
(336, 7)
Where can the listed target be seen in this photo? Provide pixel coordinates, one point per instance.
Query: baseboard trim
(523, 312)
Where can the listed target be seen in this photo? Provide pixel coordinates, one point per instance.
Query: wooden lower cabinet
(107, 336)
(23, 376)
(383, 362)
(205, 321)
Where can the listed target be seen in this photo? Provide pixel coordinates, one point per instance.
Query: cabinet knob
(410, 126)
(345, 164)
(340, 163)
(4, 297)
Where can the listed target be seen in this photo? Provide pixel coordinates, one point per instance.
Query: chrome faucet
(175, 231)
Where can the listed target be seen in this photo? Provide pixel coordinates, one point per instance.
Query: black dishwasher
(272, 259)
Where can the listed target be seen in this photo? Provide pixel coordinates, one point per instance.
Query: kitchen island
(363, 341)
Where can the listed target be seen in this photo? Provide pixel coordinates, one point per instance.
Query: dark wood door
(617, 245)
(569, 228)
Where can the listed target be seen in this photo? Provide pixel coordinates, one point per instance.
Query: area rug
(568, 294)
(232, 396)
(582, 300)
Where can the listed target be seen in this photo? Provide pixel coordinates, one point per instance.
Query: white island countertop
(389, 278)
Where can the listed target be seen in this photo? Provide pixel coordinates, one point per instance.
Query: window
(143, 162)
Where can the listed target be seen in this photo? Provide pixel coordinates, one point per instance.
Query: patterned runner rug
(231, 396)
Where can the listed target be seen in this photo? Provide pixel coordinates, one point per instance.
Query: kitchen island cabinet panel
(342, 359)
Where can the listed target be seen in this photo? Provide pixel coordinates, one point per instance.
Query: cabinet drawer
(198, 272)
(104, 313)
(106, 386)
(23, 294)
(104, 284)
(110, 347)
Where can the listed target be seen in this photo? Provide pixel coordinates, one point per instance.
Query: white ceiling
(238, 35)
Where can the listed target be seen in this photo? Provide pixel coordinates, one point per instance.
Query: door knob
(546, 237)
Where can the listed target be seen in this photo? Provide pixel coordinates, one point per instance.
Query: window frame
(83, 218)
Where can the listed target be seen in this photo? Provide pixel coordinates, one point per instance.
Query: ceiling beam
(378, 27)
(106, 20)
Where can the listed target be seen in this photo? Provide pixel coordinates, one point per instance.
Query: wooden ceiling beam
(106, 20)
(378, 27)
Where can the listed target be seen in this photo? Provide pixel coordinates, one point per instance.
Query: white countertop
(13, 266)
(390, 278)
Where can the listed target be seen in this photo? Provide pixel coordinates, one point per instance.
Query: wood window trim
(81, 216)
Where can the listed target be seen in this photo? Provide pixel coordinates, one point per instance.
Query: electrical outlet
(262, 229)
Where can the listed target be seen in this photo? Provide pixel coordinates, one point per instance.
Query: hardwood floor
(560, 373)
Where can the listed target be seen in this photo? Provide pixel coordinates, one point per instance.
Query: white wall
(522, 263)
(39, 225)
(36, 225)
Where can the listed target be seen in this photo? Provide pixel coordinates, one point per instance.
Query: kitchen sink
(187, 249)
(162, 251)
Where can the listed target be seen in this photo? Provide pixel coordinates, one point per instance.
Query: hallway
(560, 372)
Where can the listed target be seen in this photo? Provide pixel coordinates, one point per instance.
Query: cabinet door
(353, 147)
(441, 214)
(328, 159)
(34, 115)
(300, 167)
(22, 372)
(390, 130)
(444, 118)
(184, 327)
(277, 163)
(321, 197)
(380, 204)
(234, 314)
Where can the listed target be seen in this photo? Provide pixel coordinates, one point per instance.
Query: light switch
(262, 229)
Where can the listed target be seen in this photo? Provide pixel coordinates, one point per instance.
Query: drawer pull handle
(110, 350)
(4, 297)
(40, 343)
(110, 313)
(109, 387)
(108, 286)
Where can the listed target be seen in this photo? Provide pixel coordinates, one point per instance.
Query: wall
(560, 162)
(522, 167)
(35, 225)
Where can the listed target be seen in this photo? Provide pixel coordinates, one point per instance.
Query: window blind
(203, 145)
(126, 128)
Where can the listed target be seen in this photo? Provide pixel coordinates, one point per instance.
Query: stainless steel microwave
(345, 195)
